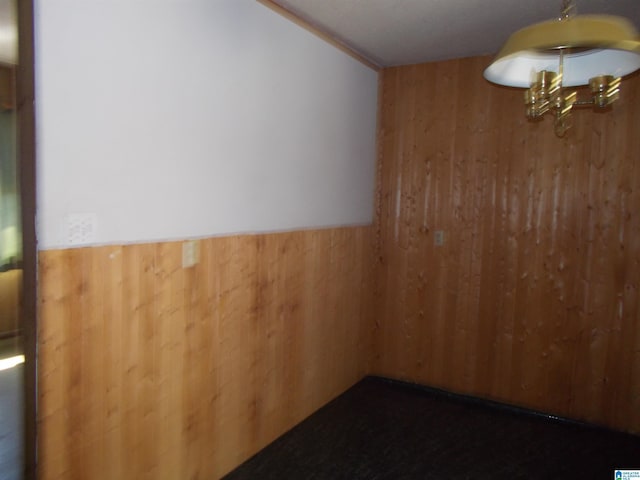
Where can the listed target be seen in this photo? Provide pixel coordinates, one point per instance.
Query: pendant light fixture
(574, 50)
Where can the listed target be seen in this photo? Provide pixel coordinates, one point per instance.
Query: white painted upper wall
(172, 119)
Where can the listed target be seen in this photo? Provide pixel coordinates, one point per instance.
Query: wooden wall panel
(7, 87)
(533, 298)
(10, 292)
(151, 370)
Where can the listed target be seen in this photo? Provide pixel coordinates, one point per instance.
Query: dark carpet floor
(382, 430)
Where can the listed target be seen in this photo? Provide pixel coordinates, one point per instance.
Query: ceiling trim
(289, 15)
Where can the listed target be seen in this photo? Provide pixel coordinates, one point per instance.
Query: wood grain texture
(7, 87)
(533, 298)
(10, 291)
(151, 370)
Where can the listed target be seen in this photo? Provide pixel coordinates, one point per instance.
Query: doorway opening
(18, 255)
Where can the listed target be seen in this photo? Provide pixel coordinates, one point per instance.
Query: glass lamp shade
(592, 45)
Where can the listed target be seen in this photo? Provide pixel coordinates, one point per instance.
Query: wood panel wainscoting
(10, 294)
(533, 297)
(151, 370)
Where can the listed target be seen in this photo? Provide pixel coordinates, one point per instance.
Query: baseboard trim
(496, 405)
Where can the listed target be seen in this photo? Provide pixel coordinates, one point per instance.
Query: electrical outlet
(438, 238)
(190, 253)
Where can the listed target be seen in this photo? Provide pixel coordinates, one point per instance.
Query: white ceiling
(400, 32)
